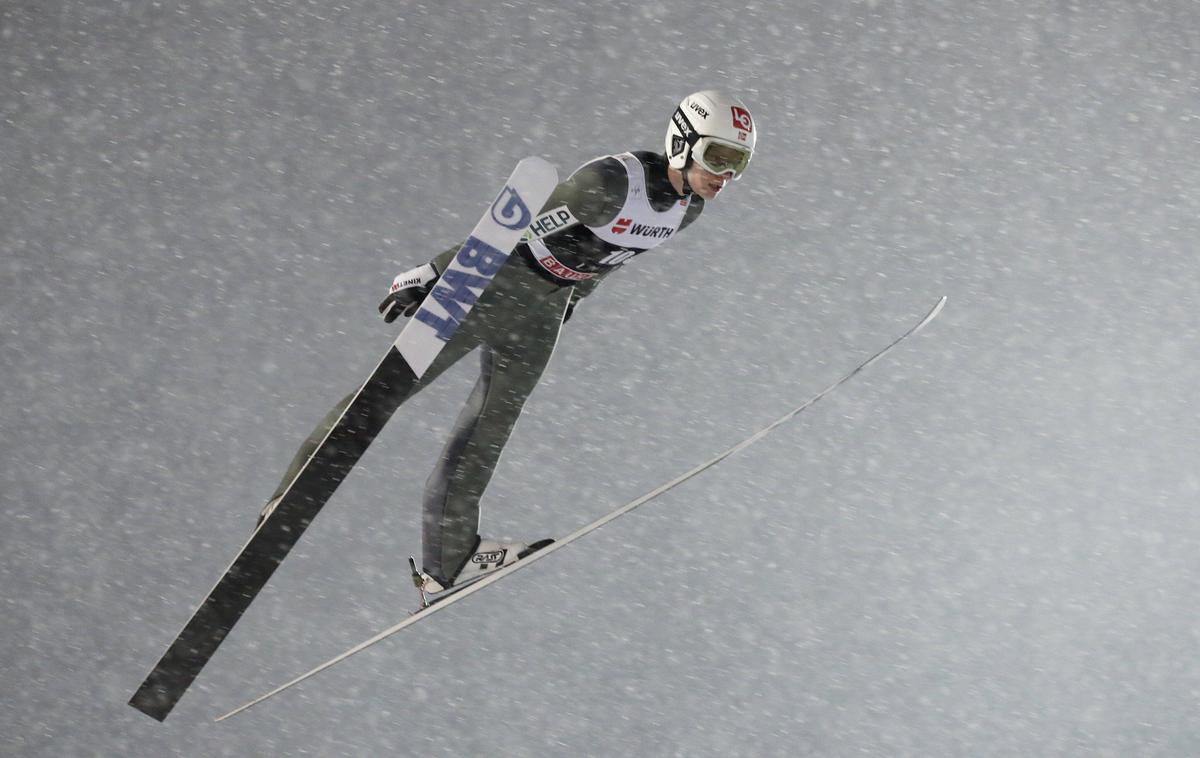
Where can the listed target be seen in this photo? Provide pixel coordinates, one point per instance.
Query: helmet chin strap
(687, 188)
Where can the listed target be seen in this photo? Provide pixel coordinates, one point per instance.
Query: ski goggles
(719, 157)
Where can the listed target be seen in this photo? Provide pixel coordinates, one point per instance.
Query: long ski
(558, 544)
(432, 326)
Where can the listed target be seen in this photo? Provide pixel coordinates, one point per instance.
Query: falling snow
(987, 546)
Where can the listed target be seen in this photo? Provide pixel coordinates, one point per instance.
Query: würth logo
(622, 225)
(741, 119)
(661, 232)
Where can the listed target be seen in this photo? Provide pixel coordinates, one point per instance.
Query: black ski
(431, 327)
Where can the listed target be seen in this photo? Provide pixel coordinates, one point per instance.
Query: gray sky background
(985, 546)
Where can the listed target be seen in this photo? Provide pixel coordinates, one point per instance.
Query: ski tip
(541, 168)
(937, 308)
(154, 702)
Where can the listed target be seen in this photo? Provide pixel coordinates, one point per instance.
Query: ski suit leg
(454, 350)
(309, 446)
(511, 363)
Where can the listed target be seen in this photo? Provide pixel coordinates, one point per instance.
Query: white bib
(637, 225)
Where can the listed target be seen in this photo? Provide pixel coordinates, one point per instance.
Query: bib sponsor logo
(551, 221)
(458, 289)
(561, 270)
(510, 211)
(642, 230)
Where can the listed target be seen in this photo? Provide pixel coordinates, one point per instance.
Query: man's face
(705, 183)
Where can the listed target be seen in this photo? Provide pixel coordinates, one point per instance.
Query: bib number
(617, 257)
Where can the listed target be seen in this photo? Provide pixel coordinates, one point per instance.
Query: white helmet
(713, 129)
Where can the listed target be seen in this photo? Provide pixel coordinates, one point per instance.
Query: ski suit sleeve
(594, 193)
(441, 261)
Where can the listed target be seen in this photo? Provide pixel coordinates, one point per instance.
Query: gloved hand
(408, 290)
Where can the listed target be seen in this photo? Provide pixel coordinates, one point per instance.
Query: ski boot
(487, 557)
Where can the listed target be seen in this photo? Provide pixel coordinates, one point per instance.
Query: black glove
(408, 291)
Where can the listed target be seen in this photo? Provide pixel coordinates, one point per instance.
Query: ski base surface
(429, 608)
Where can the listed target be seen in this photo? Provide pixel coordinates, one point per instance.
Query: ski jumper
(610, 210)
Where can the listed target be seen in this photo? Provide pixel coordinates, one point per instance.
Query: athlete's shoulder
(595, 191)
(650, 159)
(605, 173)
